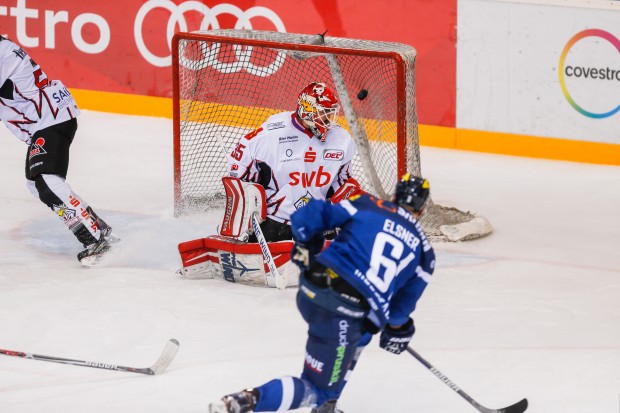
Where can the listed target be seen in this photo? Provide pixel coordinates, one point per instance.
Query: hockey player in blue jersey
(368, 280)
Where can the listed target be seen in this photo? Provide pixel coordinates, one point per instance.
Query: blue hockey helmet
(412, 191)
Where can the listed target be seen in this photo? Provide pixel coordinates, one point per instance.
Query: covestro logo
(589, 72)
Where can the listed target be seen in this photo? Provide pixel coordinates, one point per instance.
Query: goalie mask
(318, 107)
(412, 191)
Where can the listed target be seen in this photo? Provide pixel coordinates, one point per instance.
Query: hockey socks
(77, 215)
(285, 393)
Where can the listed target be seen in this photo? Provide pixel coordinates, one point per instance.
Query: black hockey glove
(396, 340)
(303, 252)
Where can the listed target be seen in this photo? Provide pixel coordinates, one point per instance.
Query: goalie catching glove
(396, 339)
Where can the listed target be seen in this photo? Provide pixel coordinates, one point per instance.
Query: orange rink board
(436, 136)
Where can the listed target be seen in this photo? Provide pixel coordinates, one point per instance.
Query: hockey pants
(334, 345)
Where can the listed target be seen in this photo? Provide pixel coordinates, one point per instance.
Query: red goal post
(228, 82)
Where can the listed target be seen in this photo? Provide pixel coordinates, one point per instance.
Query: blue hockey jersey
(381, 251)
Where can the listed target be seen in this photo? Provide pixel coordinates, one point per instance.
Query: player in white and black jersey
(42, 113)
(297, 156)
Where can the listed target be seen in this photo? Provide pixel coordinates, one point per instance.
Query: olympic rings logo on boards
(209, 21)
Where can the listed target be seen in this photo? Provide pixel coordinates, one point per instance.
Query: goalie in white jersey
(42, 113)
(297, 156)
(272, 172)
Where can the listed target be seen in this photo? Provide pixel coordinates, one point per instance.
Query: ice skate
(112, 239)
(106, 230)
(327, 407)
(241, 402)
(93, 254)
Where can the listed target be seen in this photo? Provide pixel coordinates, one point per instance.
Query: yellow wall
(437, 136)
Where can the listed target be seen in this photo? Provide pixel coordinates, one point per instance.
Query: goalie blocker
(228, 256)
(242, 200)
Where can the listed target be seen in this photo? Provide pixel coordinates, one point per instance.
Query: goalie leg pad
(242, 200)
(236, 261)
(197, 258)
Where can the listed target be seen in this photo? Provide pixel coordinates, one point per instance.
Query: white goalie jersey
(291, 164)
(29, 101)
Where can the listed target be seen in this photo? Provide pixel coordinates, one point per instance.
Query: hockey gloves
(303, 252)
(396, 340)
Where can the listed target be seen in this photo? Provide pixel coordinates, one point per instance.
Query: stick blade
(518, 407)
(169, 353)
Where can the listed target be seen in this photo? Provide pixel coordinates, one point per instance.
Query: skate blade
(92, 261)
(218, 407)
(112, 239)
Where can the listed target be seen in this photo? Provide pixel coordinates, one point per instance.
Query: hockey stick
(172, 346)
(280, 279)
(518, 407)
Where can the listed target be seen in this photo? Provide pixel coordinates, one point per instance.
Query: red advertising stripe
(125, 47)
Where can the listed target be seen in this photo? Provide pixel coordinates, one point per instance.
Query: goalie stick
(279, 278)
(518, 407)
(170, 351)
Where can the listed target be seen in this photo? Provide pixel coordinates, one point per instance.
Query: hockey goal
(227, 82)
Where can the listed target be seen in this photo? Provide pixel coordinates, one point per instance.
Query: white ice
(531, 311)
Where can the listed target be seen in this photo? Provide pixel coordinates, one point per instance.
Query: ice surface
(531, 311)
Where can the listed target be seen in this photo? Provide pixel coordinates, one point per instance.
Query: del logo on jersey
(333, 154)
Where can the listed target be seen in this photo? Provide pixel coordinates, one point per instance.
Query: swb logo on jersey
(314, 178)
(37, 148)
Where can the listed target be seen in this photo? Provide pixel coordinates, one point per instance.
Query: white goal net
(227, 82)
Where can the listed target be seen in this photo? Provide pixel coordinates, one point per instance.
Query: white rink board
(508, 61)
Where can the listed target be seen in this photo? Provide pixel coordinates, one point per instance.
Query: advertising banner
(124, 46)
(541, 70)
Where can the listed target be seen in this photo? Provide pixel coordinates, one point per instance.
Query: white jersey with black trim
(29, 101)
(291, 164)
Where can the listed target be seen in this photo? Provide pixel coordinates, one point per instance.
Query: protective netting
(228, 82)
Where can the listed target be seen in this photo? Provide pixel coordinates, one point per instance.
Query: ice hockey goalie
(292, 157)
